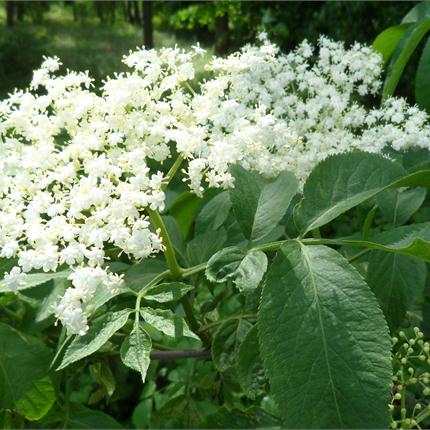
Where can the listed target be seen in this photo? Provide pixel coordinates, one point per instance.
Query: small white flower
(15, 279)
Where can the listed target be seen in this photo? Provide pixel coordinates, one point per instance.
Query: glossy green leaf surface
(136, 349)
(422, 79)
(419, 12)
(386, 42)
(259, 205)
(23, 361)
(226, 342)
(249, 363)
(412, 240)
(396, 280)
(397, 206)
(402, 54)
(98, 334)
(38, 400)
(81, 417)
(167, 292)
(246, 269)
(343, 181)
(167, 322)
(324, 341)
(35, 279)
(214, 213)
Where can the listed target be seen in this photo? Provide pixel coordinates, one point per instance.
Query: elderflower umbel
(74, 162)
(74, 170)
(271, 112)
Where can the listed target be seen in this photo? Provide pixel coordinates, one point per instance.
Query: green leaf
(104, 376)
(144, 272)
(136, 349)
(251, 418)
(259, 205)
(98, 334)
(175, 233)
(422, 79)
(419, 12)
(23, 361)
(37, 401)
(203, 246)
(251, 270)
(222, 265)
(386, 42)
(117, 266)
(324, 341)
(35, 279)
(249, 364)
(101, 296)
(246, 269)
(396, 280)
(412, 240)
(397, 206)
(414, 159)
(45, 296)
(81, 417)
(167, 322)
(184, 209)
(226, 342)
(402, 54)
(141, 417)
(214, 213)
(343, 181)
(167, 292)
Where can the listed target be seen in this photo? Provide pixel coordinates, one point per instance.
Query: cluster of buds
(410, 404)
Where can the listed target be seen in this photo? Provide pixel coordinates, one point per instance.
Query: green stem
(169, 251)
(219, 322)
(192, 321)
(194, 270)
(176, 273)
(190, 88)
(154, 281)
(359, 255)
(271, 246)
(62, 342)
(274, 246)
(422, 416)
(171, 173)
(368, 222)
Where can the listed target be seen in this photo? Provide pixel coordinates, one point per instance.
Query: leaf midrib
(324, 340)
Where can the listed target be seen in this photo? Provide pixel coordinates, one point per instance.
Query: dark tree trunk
(136, 13)
(148, 31)
(112, 11)
(124, 10)
(221, 35)
(20, 10)
(10, 13)
(75, 13)
(100, 11)
(129, 12)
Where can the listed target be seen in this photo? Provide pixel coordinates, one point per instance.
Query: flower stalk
(176, 272)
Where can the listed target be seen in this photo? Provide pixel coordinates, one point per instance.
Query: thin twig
(181, 353)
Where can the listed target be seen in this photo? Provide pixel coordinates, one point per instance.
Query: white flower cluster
(74, 162)
(271, 112)
(74, 170)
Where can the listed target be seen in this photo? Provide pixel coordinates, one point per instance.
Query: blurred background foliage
(93, 35)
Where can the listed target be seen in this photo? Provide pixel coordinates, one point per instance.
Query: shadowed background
(93, 35)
